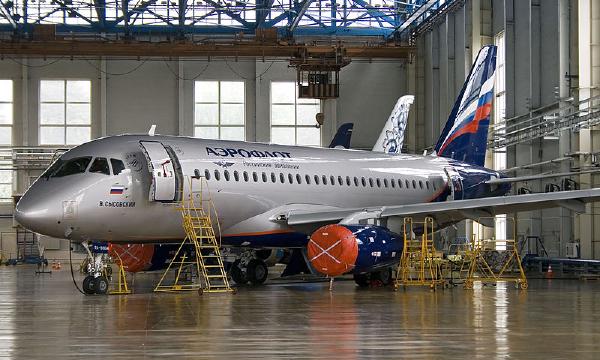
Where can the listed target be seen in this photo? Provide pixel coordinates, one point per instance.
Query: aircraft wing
(454, 210)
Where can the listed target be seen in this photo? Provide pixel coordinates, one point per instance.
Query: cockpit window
(52, 169)
(72, 166)
(100, 165)
(117, 166)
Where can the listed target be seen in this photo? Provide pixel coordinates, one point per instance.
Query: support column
(181, 98)
(103, 104)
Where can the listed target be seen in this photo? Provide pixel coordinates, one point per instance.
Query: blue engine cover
(377, 247)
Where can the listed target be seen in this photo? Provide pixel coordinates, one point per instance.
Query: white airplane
(121, 189)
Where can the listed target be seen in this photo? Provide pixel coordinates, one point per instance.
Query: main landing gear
(97, 270)
(376, 278)
(249, 269)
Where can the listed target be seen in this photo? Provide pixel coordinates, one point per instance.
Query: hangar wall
(130, 95)
(544, 68)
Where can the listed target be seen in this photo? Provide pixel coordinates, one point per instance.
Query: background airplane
(121, 189)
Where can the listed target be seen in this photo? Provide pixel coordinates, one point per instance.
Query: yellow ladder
(418, 265)
(196, 210)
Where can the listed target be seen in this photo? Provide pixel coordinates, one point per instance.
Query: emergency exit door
(161, 166)
(455, 183)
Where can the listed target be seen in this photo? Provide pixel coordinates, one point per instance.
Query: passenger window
(378, 182)
(371, 182)
(282, 178)
(254, 176)
(273, 178)
(340, 180)
(385, 183)
(324, 180)
(73, 166)
(407, 184)
(393, 183)
(427, 184)
(246, 178)
(364, 182)
(332, 180)
(100, 165)
(226, 174)
(236, 176)
(217, 175)
(207, 174)
(317, 179)
(298, 179)
(421, 184)
(348, 182)
(355, 181)
(291, 178)
(414, 184)
(433, 185)
(264, 177)
(307, 178)
(400, 183)
(117, 166)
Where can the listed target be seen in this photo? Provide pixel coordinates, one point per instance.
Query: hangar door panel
(160, 166)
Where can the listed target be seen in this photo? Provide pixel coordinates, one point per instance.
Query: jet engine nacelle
(142, 257)
(337, 249)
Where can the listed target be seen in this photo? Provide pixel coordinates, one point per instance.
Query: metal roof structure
(386, 19)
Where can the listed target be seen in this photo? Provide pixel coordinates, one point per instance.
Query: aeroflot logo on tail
(246, 153)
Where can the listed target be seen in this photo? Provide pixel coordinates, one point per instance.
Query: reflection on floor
(44, 316)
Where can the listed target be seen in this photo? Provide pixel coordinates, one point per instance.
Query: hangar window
(307, 178)
(293, 119)
(364, 182)
(254, 176)
(378, 182)
(273, 178)
(217, 175)
(6, 121)
(371, 182)
(324, 178)
(100, 165)
(291, 178)
(65, 115)
(219, 110)
(264, 177)
(226, 174)
(298, 179)
(117, 166)
(355, 181)
(246, 178)
(207, 174)
(236, 176)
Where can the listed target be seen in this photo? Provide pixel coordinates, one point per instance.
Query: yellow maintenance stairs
(419, 264)
(200, 252)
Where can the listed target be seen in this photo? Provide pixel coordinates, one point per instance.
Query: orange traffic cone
(549, 273)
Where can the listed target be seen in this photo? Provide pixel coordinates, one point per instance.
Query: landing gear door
(455, 183)
(161, 167)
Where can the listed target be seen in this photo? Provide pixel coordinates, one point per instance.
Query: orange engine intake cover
(135, 257)
(332, 250)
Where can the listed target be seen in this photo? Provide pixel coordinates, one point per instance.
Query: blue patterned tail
(465, 135)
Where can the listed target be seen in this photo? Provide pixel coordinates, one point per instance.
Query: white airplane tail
(391, 138)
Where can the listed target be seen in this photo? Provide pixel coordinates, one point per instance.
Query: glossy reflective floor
(45, 317)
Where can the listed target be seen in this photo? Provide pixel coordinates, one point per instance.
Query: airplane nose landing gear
(96, 266)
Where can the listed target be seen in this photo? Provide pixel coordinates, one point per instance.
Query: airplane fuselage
(249, 183)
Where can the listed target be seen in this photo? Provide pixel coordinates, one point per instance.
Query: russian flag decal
(117, 189)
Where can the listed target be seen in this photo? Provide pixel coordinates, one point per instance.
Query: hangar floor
(44, 316)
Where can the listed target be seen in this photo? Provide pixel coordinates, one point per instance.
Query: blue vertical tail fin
(342, 136)
(464, 137)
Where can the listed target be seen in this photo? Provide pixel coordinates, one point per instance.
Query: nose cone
(37, 212)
